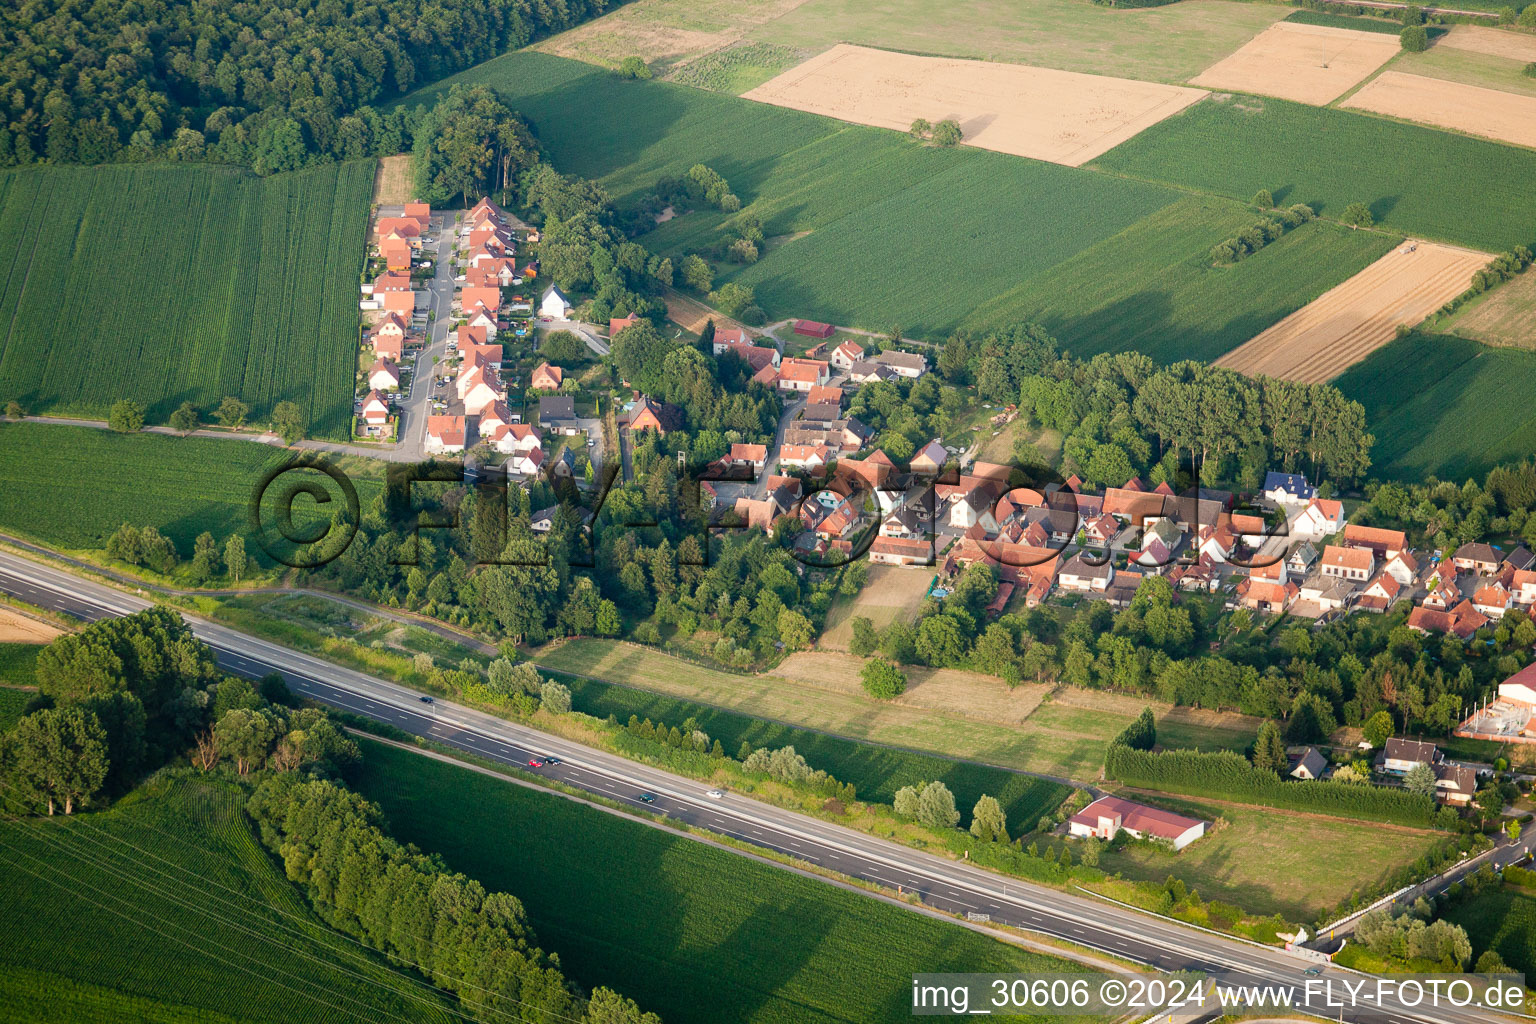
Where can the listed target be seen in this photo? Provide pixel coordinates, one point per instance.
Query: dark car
(426, 700)
(551, 760)
(647, 798)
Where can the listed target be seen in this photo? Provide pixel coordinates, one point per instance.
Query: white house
(1402, 755)
(845, 355)
(1080, 574)
(1288, 489)
(1106, 816)
(1321, 518)
(375, 410)
(554, 303)
(445, 434)
(384, 375)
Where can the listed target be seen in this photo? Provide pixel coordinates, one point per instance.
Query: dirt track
(1061, 116)
(1349, 322)
(1305, 63)
(1468, 108)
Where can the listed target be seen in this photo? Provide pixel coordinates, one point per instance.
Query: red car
(535, 763)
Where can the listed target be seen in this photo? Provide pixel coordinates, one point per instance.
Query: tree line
(274, 86)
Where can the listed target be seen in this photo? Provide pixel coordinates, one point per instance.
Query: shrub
(1415, 38)
(1263, 199)
(634, 67)
(1530, 70)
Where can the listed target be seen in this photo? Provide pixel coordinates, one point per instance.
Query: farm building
(1105, 817)
(814, 329)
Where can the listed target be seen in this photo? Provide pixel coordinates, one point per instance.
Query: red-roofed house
(1106, 816)
(384, 375)
(1402, 567)
(375, 410)
(1492, 600)
(1347, 563)
(804, 456)
(801, 374)
(616, 324)
(846, 354)
(901, 551)
(396, 252)
(823, 394)
(490, 298)
(1265, 595)
(1384, 543)
(1379, 594)
(754, 455)
(1523, 586)
(546, 377)
(445, 434)
(1321, 518)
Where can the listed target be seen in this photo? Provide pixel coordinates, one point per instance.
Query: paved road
(941, 883)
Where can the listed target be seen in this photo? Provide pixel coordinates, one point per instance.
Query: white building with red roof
(1107, 816)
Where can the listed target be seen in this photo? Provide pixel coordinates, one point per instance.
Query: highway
(942, 883)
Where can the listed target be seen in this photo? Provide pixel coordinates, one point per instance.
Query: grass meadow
(170, 283)
(71, 487)
(695, 933)
(870, 229)
(1275, 862)
(1415, 180)
(1064, 736)
(167, 908)
(1445, 405)
(17, 669)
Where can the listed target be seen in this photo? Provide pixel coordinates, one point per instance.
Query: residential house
(1379, 594)
(1266, 596)
(824, 394)
(801, 374)
(1520, 559)
(759, 358)
(754, 455)
(1492, 600)
(1523, 587)
(1443, 593)
(445, 434)
(558, 414)
(1455, 784)
(1107, 816)
(885, 550)
(1321, 518)
(1082, 575)
(554, 303)
(803, 456)
(1480, 558)
(649, 414)
(1101, 530)
(930, 459)
(375, 411)
(846, 354)
(1402, 567)
(1301, 559)
(473, 298)
(546, 378)
(867, 370)
(482, 320)
(902, 364)
(617, 324)
(1401, 755)
(1288, 489)
(1122, 589)
(384, 375)
(388, 337)
(1309, 764)
(1158, 544)
(1380, 542)
(1327, 593)
(1347, 563)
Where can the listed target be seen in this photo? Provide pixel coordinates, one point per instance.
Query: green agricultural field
(172, 283)
(18, 663)
(1121, 294)
(1299, 866)
(1444, 405)
(877, 772)
(693, 932)
(71, 487)
(1504, 921)
(1416, 180)
(167, 908)
(868, 229)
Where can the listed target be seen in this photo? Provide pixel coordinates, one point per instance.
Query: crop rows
(168, 904)
(166, 284)
(697, 934)
(71, 487)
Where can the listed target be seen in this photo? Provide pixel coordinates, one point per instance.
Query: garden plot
(1349, 322)
(1061, 116)
(1465, 108)
(1306, 63)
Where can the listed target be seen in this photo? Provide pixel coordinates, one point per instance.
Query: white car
(715, 794)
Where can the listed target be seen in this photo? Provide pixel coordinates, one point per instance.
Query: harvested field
(1348, 323)
(691, 314)
(16, 628)
(1306, 63)
(1465, 108)
(1060, 116)
(1492, 41)
(392, 185)
(663, 32)
(948, 690)
(890, 592)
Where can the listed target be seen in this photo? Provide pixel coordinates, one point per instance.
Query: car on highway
(1312, 972)
(551, 760)
(426, 700)
(534, 762)
(715, 794)
(647, 798)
